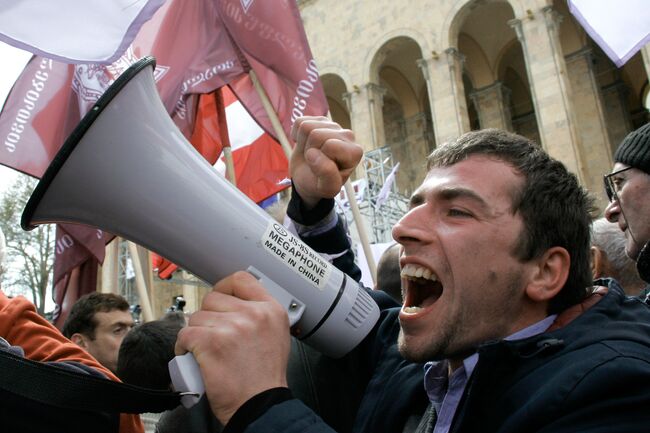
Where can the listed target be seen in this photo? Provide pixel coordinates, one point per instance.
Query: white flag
(620, 28)
(386, 187)
(74, 31)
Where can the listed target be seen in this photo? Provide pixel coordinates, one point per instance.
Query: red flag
(164, 267)
(260, 163)
(206, 137)
(272, 40)
(37, 116)
(78, 252)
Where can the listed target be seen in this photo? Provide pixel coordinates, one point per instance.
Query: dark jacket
(643, 267)
(593, 375)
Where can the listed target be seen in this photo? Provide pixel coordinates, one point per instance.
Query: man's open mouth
(422, 288)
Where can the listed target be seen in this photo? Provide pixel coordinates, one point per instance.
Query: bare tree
(30, 255)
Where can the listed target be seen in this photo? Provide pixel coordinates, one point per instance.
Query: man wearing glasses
(628, 190)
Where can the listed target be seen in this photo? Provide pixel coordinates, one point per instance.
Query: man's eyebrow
(450, 193)
(453, 192)
(416, 199)
(120, 323)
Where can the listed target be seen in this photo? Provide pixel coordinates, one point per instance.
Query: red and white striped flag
(260, 163)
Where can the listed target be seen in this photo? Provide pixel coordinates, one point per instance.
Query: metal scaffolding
(378, 164)
(125, 274)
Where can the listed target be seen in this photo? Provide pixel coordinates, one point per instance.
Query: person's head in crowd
(388, 273)
(497, 238)
(628, 191)
(608, 258)
(147, 350)
(178, 318)
(98, 322)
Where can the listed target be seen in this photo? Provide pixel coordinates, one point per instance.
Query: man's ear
(550, 275)
(79, 340)
(596, 262)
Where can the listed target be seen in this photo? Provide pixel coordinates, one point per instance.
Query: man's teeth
(415, 271)
(412, 310)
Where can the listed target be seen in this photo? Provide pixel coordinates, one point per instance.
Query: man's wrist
(255, 407)
(305, 214)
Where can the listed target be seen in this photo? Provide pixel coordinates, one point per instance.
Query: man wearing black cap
(628, 190)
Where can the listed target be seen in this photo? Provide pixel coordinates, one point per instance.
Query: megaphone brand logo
(280, 229)
(281, 244)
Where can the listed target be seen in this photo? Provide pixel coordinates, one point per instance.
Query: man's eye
(458, 212)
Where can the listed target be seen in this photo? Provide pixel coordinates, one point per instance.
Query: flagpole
(140, 285)
(230, 165)
(110, 267)
(349, 190)
(273, 117)
(225, 138)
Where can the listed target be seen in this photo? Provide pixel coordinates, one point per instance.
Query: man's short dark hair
(81, 319)
(145, 352)
(389, 279)
(556, 210)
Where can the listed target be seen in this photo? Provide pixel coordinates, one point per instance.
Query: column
(590, 118)
(365, 106)
(645, 54)
(444, 77)
(493, 105)
(549, 86)
(616, 113)
(191, 292)
(412, 169)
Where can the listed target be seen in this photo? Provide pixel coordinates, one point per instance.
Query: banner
(74, 31)
(272, 41)
(620, 28)
(78, 251)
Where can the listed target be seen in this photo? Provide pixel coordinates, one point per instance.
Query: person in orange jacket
(22, 326)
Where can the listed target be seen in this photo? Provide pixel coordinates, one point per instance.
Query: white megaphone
(127, 169)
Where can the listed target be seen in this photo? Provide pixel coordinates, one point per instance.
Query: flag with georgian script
(78, 251)
(272, 40)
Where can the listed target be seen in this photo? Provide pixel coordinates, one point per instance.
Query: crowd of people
(511, 309)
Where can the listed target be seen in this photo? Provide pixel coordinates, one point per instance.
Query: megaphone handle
(184, 370)
(186, 378)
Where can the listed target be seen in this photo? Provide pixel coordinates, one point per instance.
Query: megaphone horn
(127, 169)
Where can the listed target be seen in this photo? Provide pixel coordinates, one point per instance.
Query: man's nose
(612, 211)
(409, 228)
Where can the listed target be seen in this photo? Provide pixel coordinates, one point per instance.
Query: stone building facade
(413, 75)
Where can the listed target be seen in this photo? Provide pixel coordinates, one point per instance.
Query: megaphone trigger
(291, 304)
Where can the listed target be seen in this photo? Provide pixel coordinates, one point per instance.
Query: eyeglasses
(613, 185)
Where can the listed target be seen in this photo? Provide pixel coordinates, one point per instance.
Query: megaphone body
(127, 169)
